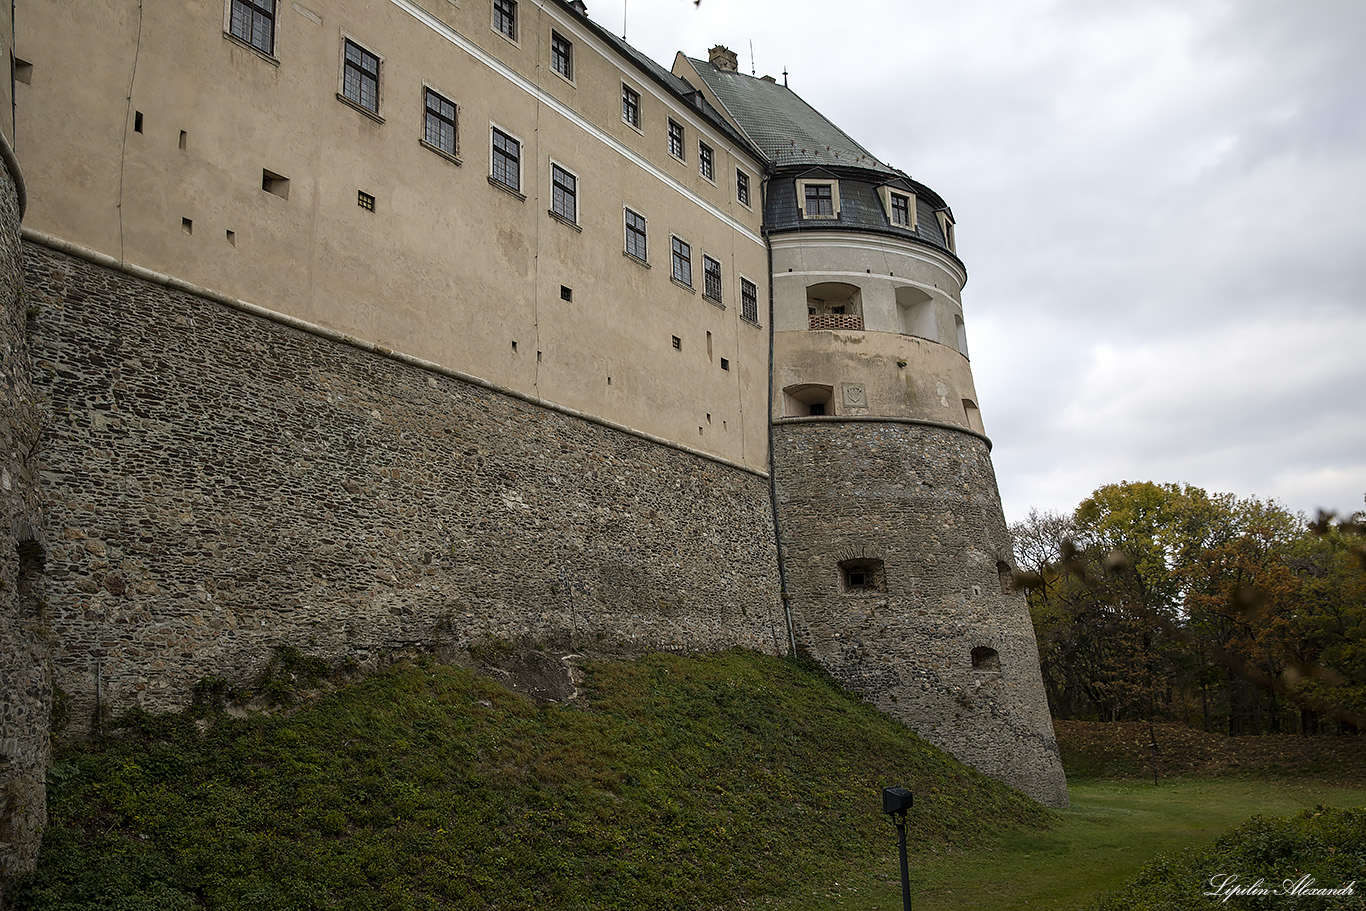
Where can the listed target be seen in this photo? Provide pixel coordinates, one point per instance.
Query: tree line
(1162, 602)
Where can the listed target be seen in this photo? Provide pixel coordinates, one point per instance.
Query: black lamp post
(895, 802)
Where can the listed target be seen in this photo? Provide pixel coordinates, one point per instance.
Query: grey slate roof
(680, 88)
(787, 129)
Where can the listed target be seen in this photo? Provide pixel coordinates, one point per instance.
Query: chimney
(723, 58)
(579, 7)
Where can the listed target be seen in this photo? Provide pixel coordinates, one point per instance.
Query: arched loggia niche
(834, 305)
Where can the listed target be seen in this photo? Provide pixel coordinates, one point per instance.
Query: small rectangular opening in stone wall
(677, 343)
(23, 71)
(137, 121)
(725, 363)
(183, 138)
(365, 200)
(187, 226)
(566, 293)
(232, 237)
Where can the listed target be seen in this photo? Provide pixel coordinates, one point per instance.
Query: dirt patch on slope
(1124, 749)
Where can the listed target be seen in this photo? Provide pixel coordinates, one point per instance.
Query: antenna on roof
(784, 77)
(752, 70)
(623, 20)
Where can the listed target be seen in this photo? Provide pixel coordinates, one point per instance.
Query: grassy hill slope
(674, 782)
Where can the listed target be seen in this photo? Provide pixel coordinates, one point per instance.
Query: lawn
(1112, 828)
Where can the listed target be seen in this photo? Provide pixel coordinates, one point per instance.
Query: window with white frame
(360, 77)
(439, 130)
(564, 194)
(561, 55)
(741, 187)
(711, 279)
(749, 301)
(676, 140)
(706, 161)
(682, 261)
(505, 18)
(630, 105)
(635, 236)
(505, 160)
(253, 21)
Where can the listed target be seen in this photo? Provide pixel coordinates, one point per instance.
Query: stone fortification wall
(25, 675)
(218, 483)
(915, 507)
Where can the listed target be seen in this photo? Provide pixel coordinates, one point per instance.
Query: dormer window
(819, 202)
(901, 210)
(899, 207)
(819, 198)
(946, 228)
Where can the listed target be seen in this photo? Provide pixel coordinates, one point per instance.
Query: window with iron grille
(711, 279)
(360, 77)
(901, 210)
(564, 194)
(505, 17)
(506, 161)
(561, 55)
(706, 161)
(635, 235)
(749, 300)
(819, 201)
(742, 187)
(440, 125)
(675, 140)
(682, 261)
(253, 21)
(630, 105)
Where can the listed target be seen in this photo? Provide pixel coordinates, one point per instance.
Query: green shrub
(1274, 859)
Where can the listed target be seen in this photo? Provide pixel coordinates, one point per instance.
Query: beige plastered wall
(447, 267)
(897, 374)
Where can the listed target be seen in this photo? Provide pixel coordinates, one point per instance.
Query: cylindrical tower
(895, 549)
(896, 552)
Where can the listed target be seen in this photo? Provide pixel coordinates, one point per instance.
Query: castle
(371, 326)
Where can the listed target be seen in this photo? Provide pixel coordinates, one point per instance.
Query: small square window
(725, 363)
(561, 55)
(635, 235)
(506, 161)
(365, 200)
(630, 105)
(749, 300)
(676, 140)
(439, 131)
(505, 18)
(274, 183)
(682, 261)
(564, 194)
(866, 575)
(711, 279)
(566, 293)
(253, 21)
(677, 343)
(706, 161)
(360, 77)
(742, 187)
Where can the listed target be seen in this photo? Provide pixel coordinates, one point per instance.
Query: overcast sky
(1162, 208)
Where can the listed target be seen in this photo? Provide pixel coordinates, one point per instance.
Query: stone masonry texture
(25, 667)
(217, 484)
(923, 500)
